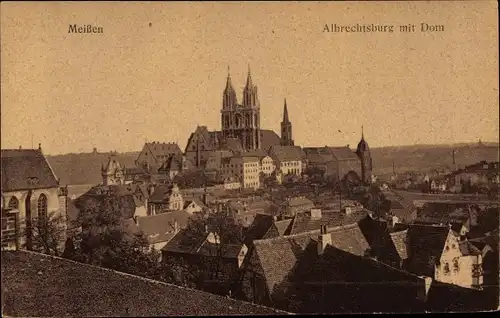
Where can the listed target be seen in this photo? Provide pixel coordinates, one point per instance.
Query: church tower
(363, 152)
(286, 129)
(241, 121)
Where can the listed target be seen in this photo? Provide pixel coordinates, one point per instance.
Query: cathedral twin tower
(242, 121)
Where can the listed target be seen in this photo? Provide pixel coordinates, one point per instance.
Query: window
(446, 268)
(13, 203)
(42, 206)
(456, 266)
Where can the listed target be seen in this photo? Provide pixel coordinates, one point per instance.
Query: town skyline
(158, 81)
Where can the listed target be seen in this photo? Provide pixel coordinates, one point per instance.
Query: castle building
(241, 121)
(154, 154)
(363, 152)
(286, 129)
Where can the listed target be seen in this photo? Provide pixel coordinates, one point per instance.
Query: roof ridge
(148, 279)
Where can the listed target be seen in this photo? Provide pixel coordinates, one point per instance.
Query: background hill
(85, 168)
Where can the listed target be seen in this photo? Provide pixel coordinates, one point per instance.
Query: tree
(209, 264)
(375, 201)
(349, 182)
(48, 233)
(106, 241)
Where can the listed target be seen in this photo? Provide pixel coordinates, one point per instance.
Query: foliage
(106, 241)
(375, 201)
(350, 182)
(48, 233)
(196, 271)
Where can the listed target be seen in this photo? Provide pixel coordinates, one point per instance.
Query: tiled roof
(259, 227)
(89, 291)
(26, 169)
(134, 170)
(426, 244)
(277, 257)
(185, 242)
(282, 226)
(400, 242)
(327, 154)
(304, 223)
(173, 163)
(259, 153)
(268, 138)
(295, 259)
(343, 153)
(297, 201)
(225, 250)
(467, 248)
(336, 266)
(287, 153)
(161, 192)
(126, 199)
(163, 148)
(161, 227)
(195, 200)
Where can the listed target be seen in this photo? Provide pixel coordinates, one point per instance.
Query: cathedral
(240, 127)
(241, 132)
(241, 121)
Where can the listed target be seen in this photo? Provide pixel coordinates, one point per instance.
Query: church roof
(287, 153)
(326, 154)
(268, 138)
(25, 169)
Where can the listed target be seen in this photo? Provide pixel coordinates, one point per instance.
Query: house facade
(165, 198)
(289, 159)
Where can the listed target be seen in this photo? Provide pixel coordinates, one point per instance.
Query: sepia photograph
(249, 158)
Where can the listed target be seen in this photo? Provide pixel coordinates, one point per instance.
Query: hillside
(85, 168)
(428, 157)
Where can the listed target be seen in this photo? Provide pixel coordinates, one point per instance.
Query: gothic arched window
(13, 203)
(42, 206)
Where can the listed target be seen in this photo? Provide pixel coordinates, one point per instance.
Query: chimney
(176, 226)
(20, 147)
(323, 240)
(39, 147)
(315, 214)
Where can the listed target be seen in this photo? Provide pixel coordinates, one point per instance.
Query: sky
(158, 70)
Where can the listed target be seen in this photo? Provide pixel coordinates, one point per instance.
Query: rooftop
(26, 169)
(35, 285)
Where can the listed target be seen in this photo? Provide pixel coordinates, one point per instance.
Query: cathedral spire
(285, 114)
(229, 85)
(249, 78)
(362, 133)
